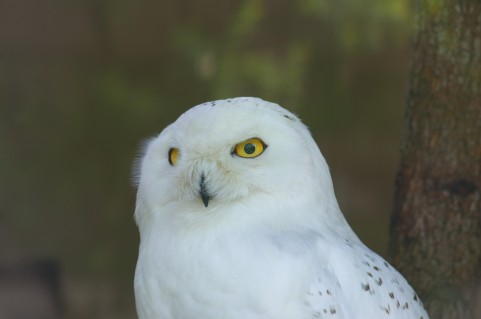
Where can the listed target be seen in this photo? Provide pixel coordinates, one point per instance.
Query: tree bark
(436, 223)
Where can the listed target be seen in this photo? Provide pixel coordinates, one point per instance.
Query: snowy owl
(238, 220)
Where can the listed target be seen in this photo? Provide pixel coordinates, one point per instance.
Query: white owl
(238, 220)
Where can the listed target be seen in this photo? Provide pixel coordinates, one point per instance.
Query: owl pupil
(249, 148)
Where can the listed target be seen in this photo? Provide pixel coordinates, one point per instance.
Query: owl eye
(173, 155)
(250, 148)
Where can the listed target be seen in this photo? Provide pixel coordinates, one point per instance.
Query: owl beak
(204, 193)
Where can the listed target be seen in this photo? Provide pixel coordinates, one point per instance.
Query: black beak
(204, 193)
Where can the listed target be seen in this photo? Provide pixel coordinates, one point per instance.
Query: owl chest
(220, 278)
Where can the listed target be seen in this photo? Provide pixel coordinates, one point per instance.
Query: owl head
(241, 156)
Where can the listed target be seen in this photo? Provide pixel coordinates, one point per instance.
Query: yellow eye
(250, 148)
(173, 155)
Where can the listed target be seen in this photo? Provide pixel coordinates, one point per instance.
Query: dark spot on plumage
(328, 292)
(364, 262)
(289, 117)
(320, 293)
(332, 310)
(376, 268)
(365, 286)
(391, 294)
(325, 310)
(398, 304)
(369, 274)
(386, 264)
(415, 297)
(388, 309)
(379, 281)
(348, 243)
(406, 305)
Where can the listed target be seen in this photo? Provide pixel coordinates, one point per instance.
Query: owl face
(225, 152)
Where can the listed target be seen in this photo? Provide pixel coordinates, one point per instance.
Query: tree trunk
(436, 223)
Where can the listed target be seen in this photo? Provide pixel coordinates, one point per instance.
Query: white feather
(272, 242)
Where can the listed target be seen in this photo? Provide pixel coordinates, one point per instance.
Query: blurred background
(82, 83)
